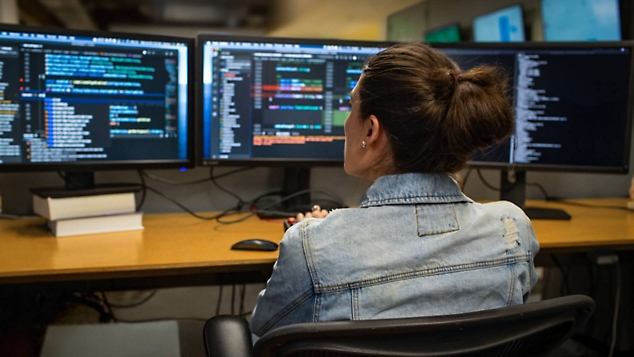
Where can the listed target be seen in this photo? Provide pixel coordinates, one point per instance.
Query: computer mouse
(255, 244)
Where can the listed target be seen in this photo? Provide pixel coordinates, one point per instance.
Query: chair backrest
(532, 329)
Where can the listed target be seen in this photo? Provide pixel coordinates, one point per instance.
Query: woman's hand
(316, 212)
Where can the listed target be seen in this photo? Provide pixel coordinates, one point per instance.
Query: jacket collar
(413, 188)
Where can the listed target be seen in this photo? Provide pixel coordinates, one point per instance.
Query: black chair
(533, 329)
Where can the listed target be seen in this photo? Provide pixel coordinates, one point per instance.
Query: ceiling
(109, 14)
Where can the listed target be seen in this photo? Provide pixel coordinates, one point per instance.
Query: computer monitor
(81, 101)
(505, 25)
(276, 102)
(448, 33)
(573, 105)
(588, 20)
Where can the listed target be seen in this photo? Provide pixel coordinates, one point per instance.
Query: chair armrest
(227, 335)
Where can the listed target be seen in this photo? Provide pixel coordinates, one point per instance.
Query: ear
(373, 130)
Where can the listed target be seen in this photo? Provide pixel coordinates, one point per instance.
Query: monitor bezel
(260, 161)
(624, 167)
(521, 7)
(119, 164)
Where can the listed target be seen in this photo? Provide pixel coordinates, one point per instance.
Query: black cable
(167, 197)
(541, 188)
(213, 180)
(488, 185)
(108, 306)
(265, 208)
(564, 273)
(159, 319)
(143, 190)
(136, 304)
(220, 278)
(178, 183)
(233, 298)
(243, 292)
(463, 184)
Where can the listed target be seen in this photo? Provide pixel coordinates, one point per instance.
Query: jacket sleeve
(286, 297)
(533, 245)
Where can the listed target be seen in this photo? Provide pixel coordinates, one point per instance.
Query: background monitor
(587, 20)
(79, 101)
(276, 101)
(449, 33)
(505, 25)
(573, 104)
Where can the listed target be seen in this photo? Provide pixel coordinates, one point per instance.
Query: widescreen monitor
(587, 20)
(573, 105)
(505, 25)
(276, 101)
(449, 33)
(80, 101)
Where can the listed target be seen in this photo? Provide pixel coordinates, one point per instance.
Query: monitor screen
(586, 20)
(79, 100)
(572, 103)
(505, 25)
(450, 33)
(277, 101)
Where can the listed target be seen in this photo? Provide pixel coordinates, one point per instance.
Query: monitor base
(546, 213)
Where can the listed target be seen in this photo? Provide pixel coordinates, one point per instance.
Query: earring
(364, 144)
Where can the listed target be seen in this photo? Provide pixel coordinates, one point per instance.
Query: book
(83, 206)
(97, 224)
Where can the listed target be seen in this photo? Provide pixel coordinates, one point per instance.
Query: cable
(167, 197)
(488, 185)
(220, 278)
(178, 183)
(464, 180)
(143, 190)
(136, 304)
(264, 209)
(213, 180)
(243, 291)
(108, 306)
(159, 319)
(564, 282)
(617, 301)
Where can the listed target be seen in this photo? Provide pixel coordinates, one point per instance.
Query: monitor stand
(296, 179)
(515, 192)
(82, 183)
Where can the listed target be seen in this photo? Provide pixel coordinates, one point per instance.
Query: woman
(416, 245)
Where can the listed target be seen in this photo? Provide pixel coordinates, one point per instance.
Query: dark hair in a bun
(435, 116)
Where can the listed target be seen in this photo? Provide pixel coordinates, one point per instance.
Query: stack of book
(100, 213)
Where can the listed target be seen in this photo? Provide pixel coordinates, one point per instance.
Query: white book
(83, 206)
(98, 224)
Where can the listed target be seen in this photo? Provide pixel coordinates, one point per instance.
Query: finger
(316, 208)
(300, 216)
(323, 213)
(308, 215)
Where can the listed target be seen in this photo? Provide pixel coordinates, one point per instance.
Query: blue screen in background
(506, 25)
(581, 20)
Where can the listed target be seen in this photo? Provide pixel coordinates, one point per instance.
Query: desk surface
(174, 244)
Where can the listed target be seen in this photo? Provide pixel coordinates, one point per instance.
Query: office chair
(532, 329)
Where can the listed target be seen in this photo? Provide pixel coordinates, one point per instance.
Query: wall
(8, 11)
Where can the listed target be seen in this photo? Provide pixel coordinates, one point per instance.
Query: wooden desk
(589, 229)
(178, 245)
(170, 244)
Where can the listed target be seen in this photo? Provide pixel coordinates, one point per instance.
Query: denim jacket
(416, 246)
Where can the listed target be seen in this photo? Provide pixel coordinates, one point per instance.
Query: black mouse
(255, 244)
